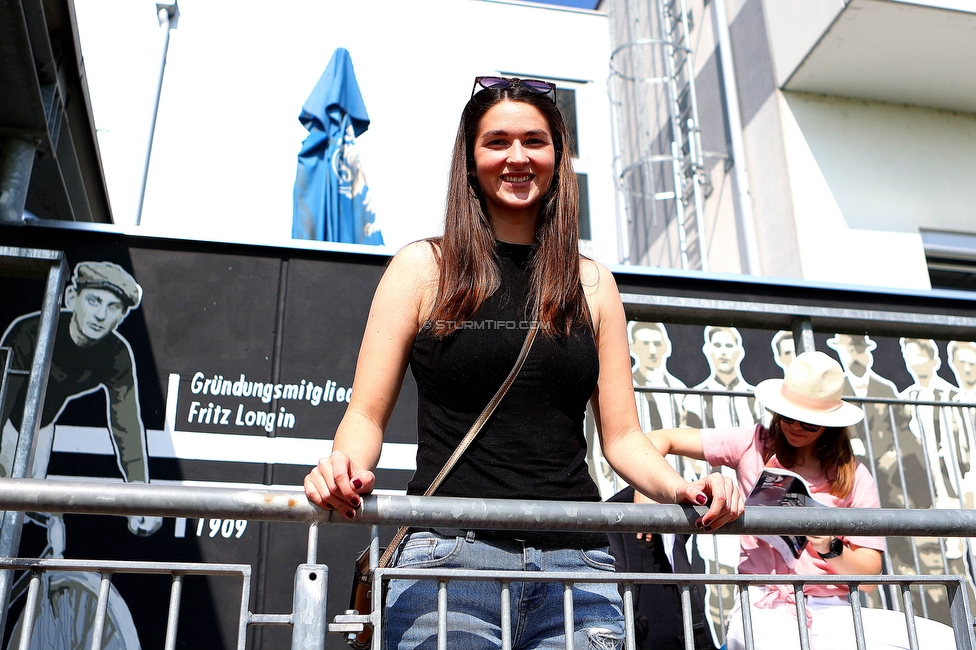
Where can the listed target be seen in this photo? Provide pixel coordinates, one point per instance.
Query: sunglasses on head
(500, 83)
(806, 426)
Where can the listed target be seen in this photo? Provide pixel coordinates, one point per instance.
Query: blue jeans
(474, 608)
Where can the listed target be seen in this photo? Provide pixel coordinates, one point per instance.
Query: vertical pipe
(910, 616)
(630, 643)
(15, 173)
(165, 14)
(98, 627)
(801, 616)
(959, 615)
(313, 543)
(745, 608)
(740, 173)
(442, 615)
(173, 617)
(47, 329)
(245, 614)
(506, 609)
(30, 612)
(803, 335)
(569, 618)
(854, 598)
(686, 617)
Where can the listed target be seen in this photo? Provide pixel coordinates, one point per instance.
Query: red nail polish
(701, 499)
(356, 483)
(350, 514)
(355, 503)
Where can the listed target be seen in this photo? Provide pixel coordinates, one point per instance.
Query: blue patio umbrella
(331, 198)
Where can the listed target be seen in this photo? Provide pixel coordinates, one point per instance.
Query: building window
(951, 258)
(584, 207)
(566, 101)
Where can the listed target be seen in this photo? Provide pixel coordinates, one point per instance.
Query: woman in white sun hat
(807, 435)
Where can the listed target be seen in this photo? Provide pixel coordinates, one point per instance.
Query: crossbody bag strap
(468, 438)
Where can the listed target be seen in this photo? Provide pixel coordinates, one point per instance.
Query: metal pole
(167, 15)
(15, 173)
(37, 495)
(803, 335)
(47, 328)
(740, 173)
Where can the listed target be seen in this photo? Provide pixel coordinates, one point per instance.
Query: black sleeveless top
(533, 446)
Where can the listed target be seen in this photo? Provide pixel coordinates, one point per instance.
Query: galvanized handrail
(498, 514)
(284, 505)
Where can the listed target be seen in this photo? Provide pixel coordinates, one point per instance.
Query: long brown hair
(833, 450)
(466, 255)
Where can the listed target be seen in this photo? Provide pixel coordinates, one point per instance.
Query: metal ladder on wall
(661, 178)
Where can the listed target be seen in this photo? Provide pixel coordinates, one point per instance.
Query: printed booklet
(781, 487)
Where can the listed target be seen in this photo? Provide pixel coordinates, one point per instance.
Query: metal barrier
(308, 620)
(52, 268)
(912, 447)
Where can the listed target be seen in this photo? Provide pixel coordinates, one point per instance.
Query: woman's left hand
(721, 494)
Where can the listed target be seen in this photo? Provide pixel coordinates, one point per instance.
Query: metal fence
(918, 451)
(307, 617)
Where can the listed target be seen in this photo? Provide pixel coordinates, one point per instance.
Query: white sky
(239, 156)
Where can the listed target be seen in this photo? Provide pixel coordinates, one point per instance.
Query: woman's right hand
(336, 483)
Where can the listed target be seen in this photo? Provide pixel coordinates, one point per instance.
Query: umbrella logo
(346, 166)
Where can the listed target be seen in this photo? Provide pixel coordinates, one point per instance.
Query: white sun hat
(810, 392)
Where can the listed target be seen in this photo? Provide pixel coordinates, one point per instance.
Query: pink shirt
(741, 450)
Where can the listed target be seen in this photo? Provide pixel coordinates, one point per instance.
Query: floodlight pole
(168, 15)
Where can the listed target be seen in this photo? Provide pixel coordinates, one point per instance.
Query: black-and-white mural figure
(724, 352)
(962, 362)
(934, 425)
(784, 349)
(944, 438)
(89, 356)
(861, 381)
(650, 348)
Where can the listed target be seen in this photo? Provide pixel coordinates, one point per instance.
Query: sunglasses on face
(500, 83)
(806, 426)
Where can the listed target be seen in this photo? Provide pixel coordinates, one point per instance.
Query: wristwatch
(836, 548)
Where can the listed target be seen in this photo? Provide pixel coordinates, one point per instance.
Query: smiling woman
(509, 254)
(514, 158)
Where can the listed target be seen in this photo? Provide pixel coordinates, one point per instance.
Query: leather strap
(467, 440)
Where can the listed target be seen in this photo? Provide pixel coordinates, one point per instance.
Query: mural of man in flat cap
(89, 356)
(862, 383)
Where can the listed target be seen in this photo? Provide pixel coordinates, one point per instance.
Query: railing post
(803, 335)
(309, 620)
(959, 614)
(12, 522)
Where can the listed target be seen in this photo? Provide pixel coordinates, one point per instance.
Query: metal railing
(307, 618)
(913, 468)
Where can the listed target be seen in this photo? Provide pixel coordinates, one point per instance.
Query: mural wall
(916, 440)
(204, 364)
(191, 364)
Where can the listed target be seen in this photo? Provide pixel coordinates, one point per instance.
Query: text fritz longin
(218, 386)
